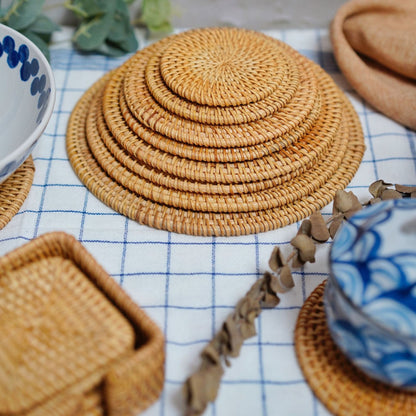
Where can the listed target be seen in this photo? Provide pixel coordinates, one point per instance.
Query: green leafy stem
(104, 26)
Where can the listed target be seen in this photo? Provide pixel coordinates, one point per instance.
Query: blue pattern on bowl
(370, 298)
(28, 69)
(27, 97)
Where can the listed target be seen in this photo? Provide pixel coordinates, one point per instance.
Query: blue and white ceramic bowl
(370, 296)
(27, 97)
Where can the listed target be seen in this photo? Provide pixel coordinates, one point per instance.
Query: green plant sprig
(104, 26)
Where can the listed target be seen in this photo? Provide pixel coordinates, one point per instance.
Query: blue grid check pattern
(188, 285)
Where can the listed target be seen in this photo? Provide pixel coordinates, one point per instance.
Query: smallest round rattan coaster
(14, 191)
(340, 386)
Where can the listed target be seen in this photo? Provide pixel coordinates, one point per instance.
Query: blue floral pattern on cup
(370, 298)
(29, 71)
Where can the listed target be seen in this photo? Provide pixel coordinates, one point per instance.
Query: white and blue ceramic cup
(370, 296)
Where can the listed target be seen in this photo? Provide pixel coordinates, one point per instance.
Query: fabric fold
(374, 43)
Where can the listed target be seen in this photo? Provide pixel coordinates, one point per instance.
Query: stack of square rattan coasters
(14, 191)
(73, 342)
(215, 131)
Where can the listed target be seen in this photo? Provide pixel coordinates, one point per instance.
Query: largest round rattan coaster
(14, 191)
(168, 218)
(341, 387)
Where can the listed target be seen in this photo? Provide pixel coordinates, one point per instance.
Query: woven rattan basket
(215, 131)
(73, 343)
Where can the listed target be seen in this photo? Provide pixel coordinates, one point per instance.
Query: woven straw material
(148, 111)
(194, 222)
(125, 121)
(222, 67)
(277, 196)
(141, 140)
(306, 150)
(220, 115)
(341, 387)
(71, 335)
(172, 176)
(252, 111)
(311, 145)
(14, 190)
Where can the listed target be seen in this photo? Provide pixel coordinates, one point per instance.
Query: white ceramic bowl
(27, 97)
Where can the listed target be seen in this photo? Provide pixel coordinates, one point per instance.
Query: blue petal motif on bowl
(28, 69)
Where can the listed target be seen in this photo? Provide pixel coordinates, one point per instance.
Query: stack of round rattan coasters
(14, 190)
(215, 131)
(341, 387)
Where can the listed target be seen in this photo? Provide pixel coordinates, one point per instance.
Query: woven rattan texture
(222, 67)
(151, 162)
(148, 111)
(73, 339)
(14, 191)
(199, 223)
(341, 387)
(214, 114)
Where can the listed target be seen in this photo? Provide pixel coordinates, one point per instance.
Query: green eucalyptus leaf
(92, 33)
(156, 14)
(109, 49)
(43, 25)
(128, 2)
(89, 8)
(22, 13)
(38, 41)
(129, 44)
(121, 27)
(164, 27)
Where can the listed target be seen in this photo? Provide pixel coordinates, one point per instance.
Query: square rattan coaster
(340, 386)
(14, 191)
(73, 342)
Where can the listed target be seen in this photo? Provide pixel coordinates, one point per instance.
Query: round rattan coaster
(306, 149)
(14, 191)
(308, 146)
(202, 153)
(166, 217)
(340, 386)
(222, 66)
(221, 115)
(151, 114)
(140, 179)
(145, 160)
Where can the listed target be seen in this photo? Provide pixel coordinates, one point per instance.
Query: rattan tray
(73, 342)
